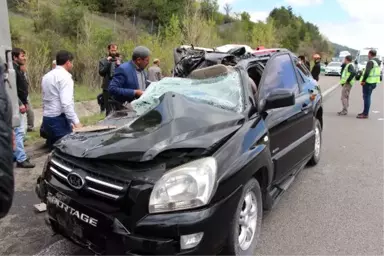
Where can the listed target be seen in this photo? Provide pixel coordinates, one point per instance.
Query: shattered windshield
(224, 92)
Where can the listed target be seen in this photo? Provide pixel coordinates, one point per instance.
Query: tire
(317, 144)
(252, 195)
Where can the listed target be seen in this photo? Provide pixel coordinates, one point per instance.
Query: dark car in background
(193, 163)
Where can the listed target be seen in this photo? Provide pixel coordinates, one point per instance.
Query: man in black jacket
(19, 59)
(305, 62)
(107, 67)
(6, 152)
(316, 68)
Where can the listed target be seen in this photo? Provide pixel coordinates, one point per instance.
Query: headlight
(184, 187)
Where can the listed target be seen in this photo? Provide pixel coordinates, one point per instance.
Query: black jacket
(6, 151)
(369, 67)
(316, 71)
(21, 84)
(106, 70)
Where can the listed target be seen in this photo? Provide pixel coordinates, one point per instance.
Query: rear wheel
(244, 230)
(317, 145)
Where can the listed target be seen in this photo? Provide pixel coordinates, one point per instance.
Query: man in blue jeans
(19, 59)
(369, 80)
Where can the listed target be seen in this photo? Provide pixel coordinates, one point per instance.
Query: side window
(280, 74)
(302, 76)
(302, 67)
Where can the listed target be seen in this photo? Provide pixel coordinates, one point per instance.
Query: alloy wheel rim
(317, 142)
(247, 221)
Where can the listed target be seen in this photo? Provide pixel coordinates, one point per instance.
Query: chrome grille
(96, 184)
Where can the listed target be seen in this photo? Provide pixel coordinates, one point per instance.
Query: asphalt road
(335, 208)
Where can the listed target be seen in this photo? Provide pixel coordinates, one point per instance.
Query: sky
(354, 23)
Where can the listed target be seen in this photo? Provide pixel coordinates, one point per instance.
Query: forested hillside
(339, 48)
(85, 27)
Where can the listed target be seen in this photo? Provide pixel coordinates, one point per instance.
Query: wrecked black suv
(191, 165)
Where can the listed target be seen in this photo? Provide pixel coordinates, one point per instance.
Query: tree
(209, 8)
(227, 9)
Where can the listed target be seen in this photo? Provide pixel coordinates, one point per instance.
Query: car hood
(177, 122)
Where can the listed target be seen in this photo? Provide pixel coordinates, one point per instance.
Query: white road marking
(380, 119)
(330, 90)
(375, 111)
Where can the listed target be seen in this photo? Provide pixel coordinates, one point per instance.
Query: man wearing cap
(154, 72)
(316, 68)
(130, 78)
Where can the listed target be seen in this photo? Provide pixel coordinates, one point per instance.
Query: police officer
(347, 80)
(369, 80)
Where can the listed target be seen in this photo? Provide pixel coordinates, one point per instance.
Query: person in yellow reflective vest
(347, 80)
(369, 80)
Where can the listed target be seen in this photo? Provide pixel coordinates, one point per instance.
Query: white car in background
(333, 68)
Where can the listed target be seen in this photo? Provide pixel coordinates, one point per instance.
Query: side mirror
(279, 98)
(356, 62)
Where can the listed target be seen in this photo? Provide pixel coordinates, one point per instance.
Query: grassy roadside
(34, 137)
(82, 93)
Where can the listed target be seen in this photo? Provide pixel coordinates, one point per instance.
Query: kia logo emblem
(75, 180)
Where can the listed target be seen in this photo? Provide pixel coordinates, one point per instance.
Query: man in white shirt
(59, 115)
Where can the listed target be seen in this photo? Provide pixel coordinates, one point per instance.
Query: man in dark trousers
(130, 79)
(369, 80)
(107, 67)
(347, 81)
(6, 151)
(316, 69)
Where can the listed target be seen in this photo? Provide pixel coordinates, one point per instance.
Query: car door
(307, 87)
(285, 125)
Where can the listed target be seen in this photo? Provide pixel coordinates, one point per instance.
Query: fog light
(190, 241)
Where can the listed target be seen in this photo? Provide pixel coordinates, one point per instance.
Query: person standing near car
(30, 114)
(107, 68)
(369, 79)
(154, 72)
(19, 59)
(316, 69)
(347, 80)
(305, 62)
(130, 79)
(59, 116)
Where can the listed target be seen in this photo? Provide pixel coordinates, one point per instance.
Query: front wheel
(245, 228)
(317, 145)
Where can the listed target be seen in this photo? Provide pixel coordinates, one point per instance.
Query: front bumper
(334, 73)
(156, 234)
